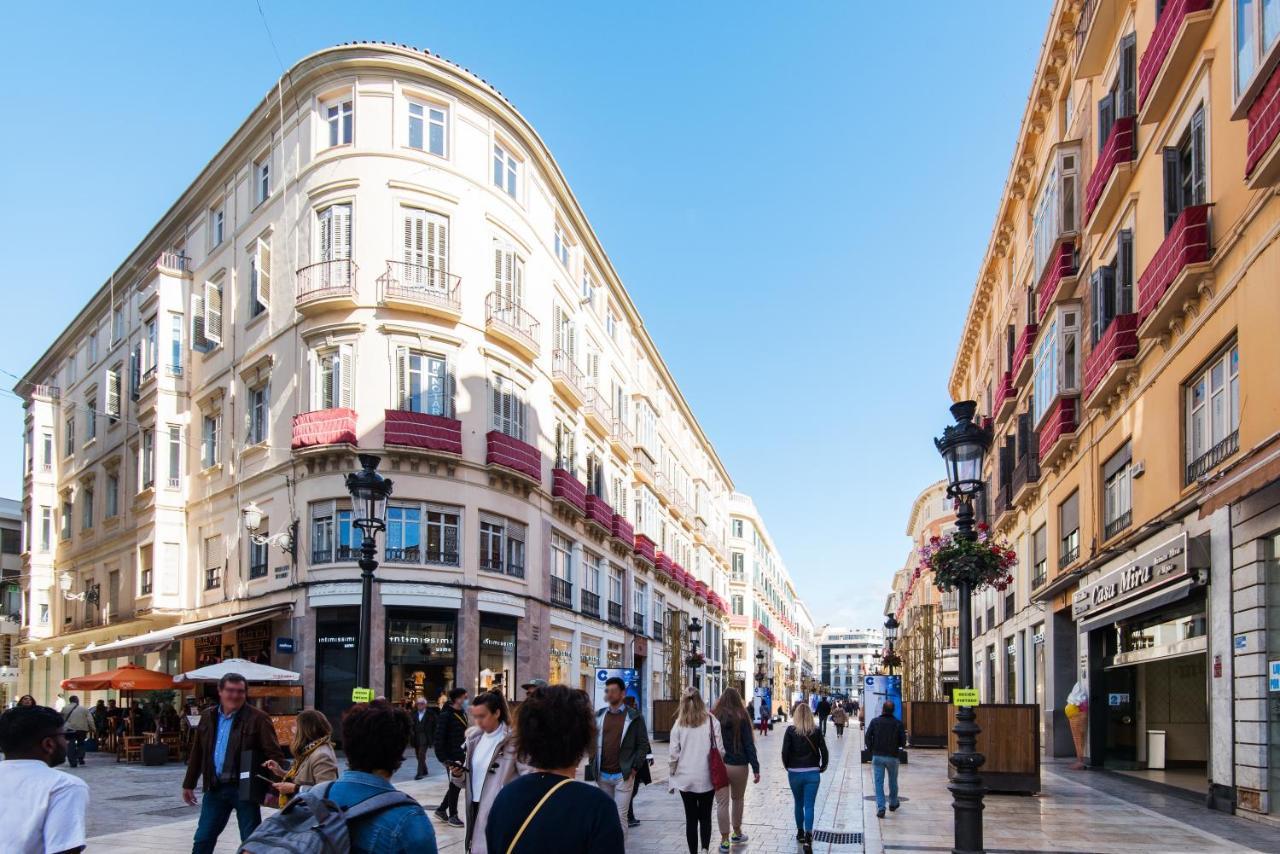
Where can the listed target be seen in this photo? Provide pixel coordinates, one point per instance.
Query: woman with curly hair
(546, 809)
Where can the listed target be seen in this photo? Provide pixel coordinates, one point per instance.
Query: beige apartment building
(1121, 340)
(385, 258)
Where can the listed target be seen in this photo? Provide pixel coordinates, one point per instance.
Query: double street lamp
(963, 447)
(369, 493)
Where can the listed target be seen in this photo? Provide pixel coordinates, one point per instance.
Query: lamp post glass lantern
(890, 636)
(963, 447)
(369, 493)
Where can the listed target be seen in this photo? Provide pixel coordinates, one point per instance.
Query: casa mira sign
(1167, 563)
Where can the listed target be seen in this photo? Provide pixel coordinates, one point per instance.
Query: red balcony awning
(568, 489)
(1119, 148)
(1186, 243)
(623, 531)
(324, 427)
(514, 454)
(1061, 265)
(1118, 343)
(600, 513)
(1162, 38)
(423, 431)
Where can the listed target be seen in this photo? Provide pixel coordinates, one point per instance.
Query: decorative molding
(410, 187)
(333, 187)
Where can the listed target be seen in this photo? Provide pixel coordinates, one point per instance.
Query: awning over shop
(161, 638)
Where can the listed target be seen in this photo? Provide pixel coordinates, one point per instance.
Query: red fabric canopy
(130, 677)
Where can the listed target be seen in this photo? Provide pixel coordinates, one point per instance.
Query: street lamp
(963, 447)
(890, 635)
(695, 636)
(369, 492)
(287, 540)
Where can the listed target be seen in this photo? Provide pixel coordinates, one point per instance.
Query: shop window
(421, 653)
(498, 653)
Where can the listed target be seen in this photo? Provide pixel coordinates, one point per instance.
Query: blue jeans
(880, 764)
(804, 791)
(216, 806)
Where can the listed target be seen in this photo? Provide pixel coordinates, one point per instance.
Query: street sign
(1274, 680)
(361, 695)
(964, 697)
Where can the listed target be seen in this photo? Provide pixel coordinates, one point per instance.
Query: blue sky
(797, 203)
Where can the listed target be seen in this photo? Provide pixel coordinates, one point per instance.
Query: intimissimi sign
(1169, 562)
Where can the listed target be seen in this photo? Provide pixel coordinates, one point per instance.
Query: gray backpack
(312, 824)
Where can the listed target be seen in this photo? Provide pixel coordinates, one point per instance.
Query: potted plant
(694, 659)
(982, 561)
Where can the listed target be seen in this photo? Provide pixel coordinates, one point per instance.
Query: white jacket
(690, 749)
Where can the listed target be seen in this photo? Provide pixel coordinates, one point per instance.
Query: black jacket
(804, 751)
(424, 731)
(824, 709)
(451, 731)
(745, 753)
(884, 735)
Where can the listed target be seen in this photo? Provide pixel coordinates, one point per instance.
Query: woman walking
(739, 755)
(490, 763)
(314, 761)
(839, 717)
(694, 736)
(804, 755)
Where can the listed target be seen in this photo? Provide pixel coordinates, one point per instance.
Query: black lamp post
(890, 635)
(759, 666)
(695, 636)
(369, 492)
(963, 447)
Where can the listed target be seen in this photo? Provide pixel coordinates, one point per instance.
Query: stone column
(467, 641)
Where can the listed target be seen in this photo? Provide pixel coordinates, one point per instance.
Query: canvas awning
(161, 638)
(251, 671)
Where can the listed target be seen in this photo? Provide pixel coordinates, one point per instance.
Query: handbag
(719, 773)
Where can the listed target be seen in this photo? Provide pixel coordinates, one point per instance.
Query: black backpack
(312, 824)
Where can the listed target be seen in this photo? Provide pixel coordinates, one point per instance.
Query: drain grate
(837, 837)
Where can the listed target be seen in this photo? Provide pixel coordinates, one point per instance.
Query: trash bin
(1155, 749)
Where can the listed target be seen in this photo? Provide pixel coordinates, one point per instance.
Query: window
(1257, 26)
(260, 277)
(611, 325)
(561, 570)
(91, 352)
(213, 561)
(737, 528)
(615, 586)
(738, 559)
(46, 528)
(259, 411)
(1111, 287)
(147, 461)
(443, 526)
(1056, 206)
(640, 602)
(1213, 413)
(210, 430)
(151, 353)
(10, 541)
(332, 534)
(338, 115)
(334, 223)
(501, 545)
(258, 556)
(737, 604)
(508, 281)
(508, 407)
(590, 583)
(588, 289)
(217, 226)
(91, 415)
(426, 252)
(561, 239)
(427, 123)
(566, 449)
(1039, 556)
(1069, 530)
(175, 456)
(65, 519)
(262, 179)
(1184, 171)
(69, 437)
(425, 383)
(1057, 362)
(113, 393)
(117, 323)
(46, 452)
(1117, 492)
(1120, 101)
(86, 508)
(175, 345)
(146, 574)
(112, 507)
(506, 170)
(332, 377)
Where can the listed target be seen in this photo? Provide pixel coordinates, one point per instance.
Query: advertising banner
(764, 700)
(627, 674)
(877, 689)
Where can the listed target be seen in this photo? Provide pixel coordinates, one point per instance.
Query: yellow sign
(361, 695)
(964, 697)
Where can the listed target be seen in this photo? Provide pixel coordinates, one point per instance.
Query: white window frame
(561, 557)
(339, 117)
(258, 413)
(332, 377)
(211, 439)
(1228, 359)
(1054, 376)
(217, 226)
(506, 168)
(1260, 48)
(431, 366)
(507, 407)
(563, 244)
(1057, 210)
(1118, 494)
(427, 115)
(262, 179)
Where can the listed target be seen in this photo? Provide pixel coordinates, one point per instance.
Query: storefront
(421, 653)
(336, 633)
(498, 654)
(1144, 632)
(560, 663)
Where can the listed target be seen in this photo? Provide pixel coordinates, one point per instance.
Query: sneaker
(725, 845)
(441, 814)
(738, 838)
(800, 835)
(633, 822)
(455, 821)
(879, 813)
(894, 807)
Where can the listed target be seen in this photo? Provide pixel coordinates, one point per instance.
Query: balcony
(645, 471)
(638, 622)
(324, 428)
(1002, 503)
(1111, 174)
(597, 412)
(662, 487)
(646, 551)
(662, 563)
(1057, 283)
(591, 604)
(615, 613)
(599, 514)
(561, 592)
(1115, 526)
(1097, 30)
(1262, 155)
(1026, 472)
(509, 323)
(1171, 52)
(1058, 430)
(567, 379)
(1175, 273)
(326, 285)
(621, 439)
(514, 455)
(1006, 397)
(568, 491)
(423, 432)
(1212, 458)
(1110, 359)
(421, 289)
(1022, 361)
(622, 532)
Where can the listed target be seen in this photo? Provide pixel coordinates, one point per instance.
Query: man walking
(229, 735)
(79, 726)
(42, 809)
(424, 733)
(823, 711)
(885, 735)
(451, 733)
(622, 746)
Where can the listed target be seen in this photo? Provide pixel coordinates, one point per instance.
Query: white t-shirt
(42, 809)
(482, 756)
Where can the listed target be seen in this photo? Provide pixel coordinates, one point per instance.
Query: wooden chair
(131, 748)
(173, 741)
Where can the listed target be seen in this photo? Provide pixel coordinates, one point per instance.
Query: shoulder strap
(378, 803)
(519, 833)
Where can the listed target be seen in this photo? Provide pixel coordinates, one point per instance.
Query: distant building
(845, 656)
(10, 595)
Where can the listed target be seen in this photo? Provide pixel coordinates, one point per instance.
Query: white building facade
(845, 656)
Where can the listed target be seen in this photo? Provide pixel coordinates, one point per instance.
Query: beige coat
(318, 766)
(505, 769)
(689, 756)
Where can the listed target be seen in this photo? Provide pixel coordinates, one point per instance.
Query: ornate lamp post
(695, 636)
(890, 636)
(963, 447)
(369, 492)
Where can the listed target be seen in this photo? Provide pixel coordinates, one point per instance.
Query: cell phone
(266, 780)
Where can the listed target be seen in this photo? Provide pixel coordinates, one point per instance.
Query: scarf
(292, 773)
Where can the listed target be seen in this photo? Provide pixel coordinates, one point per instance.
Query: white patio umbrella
(250, 671)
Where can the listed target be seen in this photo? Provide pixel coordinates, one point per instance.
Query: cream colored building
(383, 259)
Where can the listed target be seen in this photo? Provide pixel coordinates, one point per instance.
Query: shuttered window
(426, 249)
(213, 312)
(260, 277)
(113, 393)
(333, 372)
(508, 276)
(425, 383)
(335, 233)
(1184, 171)
(508, 407)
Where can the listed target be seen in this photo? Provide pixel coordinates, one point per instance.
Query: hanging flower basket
(694, 659)
(891, 659)
(983, 561)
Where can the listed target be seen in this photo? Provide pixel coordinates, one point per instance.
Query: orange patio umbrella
(129, 677)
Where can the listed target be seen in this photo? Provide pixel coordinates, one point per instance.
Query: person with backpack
(451, 732)
(804, 755)
(360, 812)
(696, 761)
(884, 737)
(546, 809)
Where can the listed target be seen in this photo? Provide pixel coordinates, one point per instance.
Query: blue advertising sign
(627, 674)
(877, 689)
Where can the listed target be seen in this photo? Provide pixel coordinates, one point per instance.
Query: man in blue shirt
(374, 736)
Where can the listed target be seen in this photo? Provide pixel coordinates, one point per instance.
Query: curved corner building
(393, 265)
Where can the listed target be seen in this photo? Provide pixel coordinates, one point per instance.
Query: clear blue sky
(797, 203)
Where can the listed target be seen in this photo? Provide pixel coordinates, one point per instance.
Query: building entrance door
(1122, 717)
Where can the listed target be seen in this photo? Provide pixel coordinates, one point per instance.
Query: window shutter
(438, 250)
(113, 393)
(412, 242)
(213, 312)
(262, 270)
(324, 367)
(1124, 273)
(517, 278)
(572, 334)
(1127, 76)
(1106, 118)
(326, 234)
(1108, 287)
(198, 340)
(342, 232)
(1095, 288)
(402, 378)
(345, 359)
(1198, 176)
(451, 390)
(1172, 187)
(557, 324)
(498, 278)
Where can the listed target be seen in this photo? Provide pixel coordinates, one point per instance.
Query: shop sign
(340, 640)
(1274, 680)
(1242, 641)
(1217, 667)
(361, 695)
(255, 643)
(1169, 562)
(208, 649)
(284, 646)
(964, 697)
